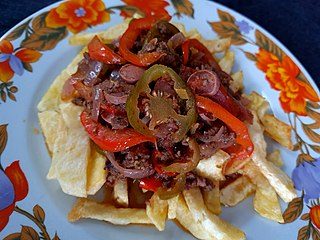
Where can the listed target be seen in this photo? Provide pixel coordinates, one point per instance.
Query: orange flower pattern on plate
(283, 76)
(20, 56)
(315, 216)
(78, 15)
(149, 8)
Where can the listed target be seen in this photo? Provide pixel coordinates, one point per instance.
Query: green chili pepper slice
(160, 108)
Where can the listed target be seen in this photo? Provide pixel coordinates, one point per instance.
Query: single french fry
(106, 36)
(49, 121)
(85, 208)
(71, 153)
(277, 130)
(227, 61)
(212, 199)
(237, 81)
(257, 103)
(275, 158)
(185, 218)
(96, 172)
(172, 207)
(212, 167)
(120, 192)
(157, 211)
(236, 191)
(217, 228)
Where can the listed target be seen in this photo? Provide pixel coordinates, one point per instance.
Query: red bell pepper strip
(130, 36)
(196, 44)
(150, 183)
(101, 52)
(244, 147)
(109, 139)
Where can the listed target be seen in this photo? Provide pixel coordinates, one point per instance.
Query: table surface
(296, 23)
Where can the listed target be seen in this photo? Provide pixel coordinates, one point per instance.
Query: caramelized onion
(131, 73)
(190, 164)
(97, 98)
(126, 172)
(204, 82)
(116, 98)
(176, 40)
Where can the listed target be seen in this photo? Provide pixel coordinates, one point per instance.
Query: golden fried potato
(277, 130)
(49, 121)
(278, 179)
(172, 207)
(257, 103)
(227, 61)
(213, 45)
(268, 205)
(157, 210)
(106, 36)
(217, 45)
(212, 167)
(217, 228)
(212, 199)
(86, 208)
(237, 81)
(265, 201)
(59, 138)
(120, 192)
(71, 152)
(275, 158)
(96, 172)
(185, 218)
(237, 191)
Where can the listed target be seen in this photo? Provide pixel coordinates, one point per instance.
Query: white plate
(26, 143)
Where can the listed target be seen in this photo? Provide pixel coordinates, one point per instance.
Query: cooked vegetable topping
(156, 103)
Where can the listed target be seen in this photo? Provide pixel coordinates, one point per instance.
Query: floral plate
(33, 53)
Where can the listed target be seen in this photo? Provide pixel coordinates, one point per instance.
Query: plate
(34, 52)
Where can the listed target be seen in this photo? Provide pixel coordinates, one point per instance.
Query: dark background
(296, 23)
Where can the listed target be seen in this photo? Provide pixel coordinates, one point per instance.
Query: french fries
(80, 168)
(265, 200)
(276, 177)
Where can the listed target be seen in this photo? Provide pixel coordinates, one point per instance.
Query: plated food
(147, 117)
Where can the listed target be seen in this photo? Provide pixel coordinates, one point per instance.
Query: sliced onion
(190, 164)
(176, 40)
(114, 99)
(129, 173)
(68, 91)
(204, 82)
(97, 98)
(206, 118)
(131, 73)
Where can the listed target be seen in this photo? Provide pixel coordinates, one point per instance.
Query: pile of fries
(80, 169)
